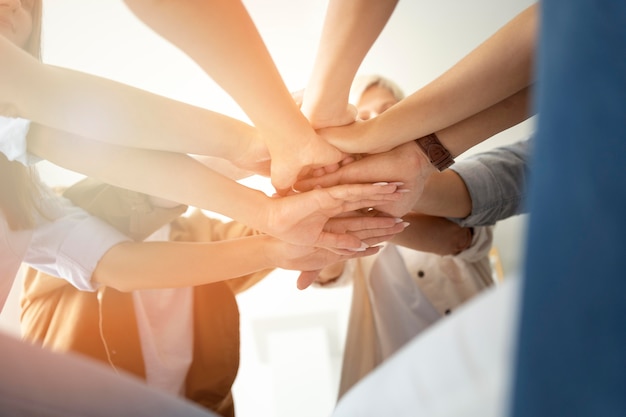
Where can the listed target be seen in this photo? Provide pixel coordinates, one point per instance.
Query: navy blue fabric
(571, 358)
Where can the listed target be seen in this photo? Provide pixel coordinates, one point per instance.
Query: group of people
(349, 176)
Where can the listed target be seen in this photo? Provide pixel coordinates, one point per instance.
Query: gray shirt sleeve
(497, 182)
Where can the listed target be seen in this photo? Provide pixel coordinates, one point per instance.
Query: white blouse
(68, 242)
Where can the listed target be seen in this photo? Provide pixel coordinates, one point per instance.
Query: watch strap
(438, 155)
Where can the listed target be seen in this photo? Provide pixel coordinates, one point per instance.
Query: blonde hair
(365, 81)
(20, 188)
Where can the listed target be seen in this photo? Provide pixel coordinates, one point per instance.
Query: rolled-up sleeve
(497, 183)
(71, 245)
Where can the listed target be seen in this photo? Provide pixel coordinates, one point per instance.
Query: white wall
(291, 340)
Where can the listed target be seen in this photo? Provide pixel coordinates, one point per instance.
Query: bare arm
(430, 192)
(444, 194)
(100, 109)
(496, 70)
(299, 219)
(222, 38)
(424, 233)
(130, 266)
(433, 234)
(350, 29)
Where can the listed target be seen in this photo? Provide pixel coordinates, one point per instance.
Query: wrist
(438, 155)
(270, 250)
(464, 241)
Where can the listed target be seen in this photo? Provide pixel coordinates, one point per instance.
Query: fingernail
(363, 247)
(381, 183)
(398, 183)
(399, 220)
(405, 224)
(403, 190)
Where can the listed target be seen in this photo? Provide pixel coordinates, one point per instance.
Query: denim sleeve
(497, 183)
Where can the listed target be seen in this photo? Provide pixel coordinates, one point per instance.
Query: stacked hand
(404, 164)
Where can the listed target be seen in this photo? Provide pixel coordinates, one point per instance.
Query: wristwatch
(438, 155)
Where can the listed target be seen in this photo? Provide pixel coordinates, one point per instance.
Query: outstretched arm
(350, 29)
(482, 189)
(222, 38)
(408, 164)
(130, 266)
(104, 110)
(496, 70)
(298, 219)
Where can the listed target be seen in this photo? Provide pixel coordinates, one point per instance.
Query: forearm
(350, 29)
(105, 110)
(482, 189)
(477, 128)
(433, 234)
(445, 194)
(499, 68)
(150, 265)
(222, 38)
(168, 175)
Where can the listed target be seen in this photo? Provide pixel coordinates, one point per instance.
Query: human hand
(291, 160)
(404, 164)
(372, 230)
(302, 218)
(255, 157)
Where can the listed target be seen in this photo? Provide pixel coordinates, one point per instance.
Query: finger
(358, 192)
(366, 234)
(333, 241)
(357, 223)
(298, 97)
(373, 241)
(324, 180)
(366, 204)
(306, 278)
(348, 160)
(367, 237)
(316, 173)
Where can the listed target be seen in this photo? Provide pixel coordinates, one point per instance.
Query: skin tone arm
(108, 111)
(433, 234)
(408, 164)
(298, 219)
(425, 234)
(222, 38)
(494, 71)
(350, 29)
(148, 265)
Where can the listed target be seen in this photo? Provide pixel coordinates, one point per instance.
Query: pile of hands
(353, 220)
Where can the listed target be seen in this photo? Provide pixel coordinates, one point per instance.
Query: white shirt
(400, 292)
(165, 325)
(67, 243)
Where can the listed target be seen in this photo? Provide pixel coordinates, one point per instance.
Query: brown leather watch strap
(438, 155)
